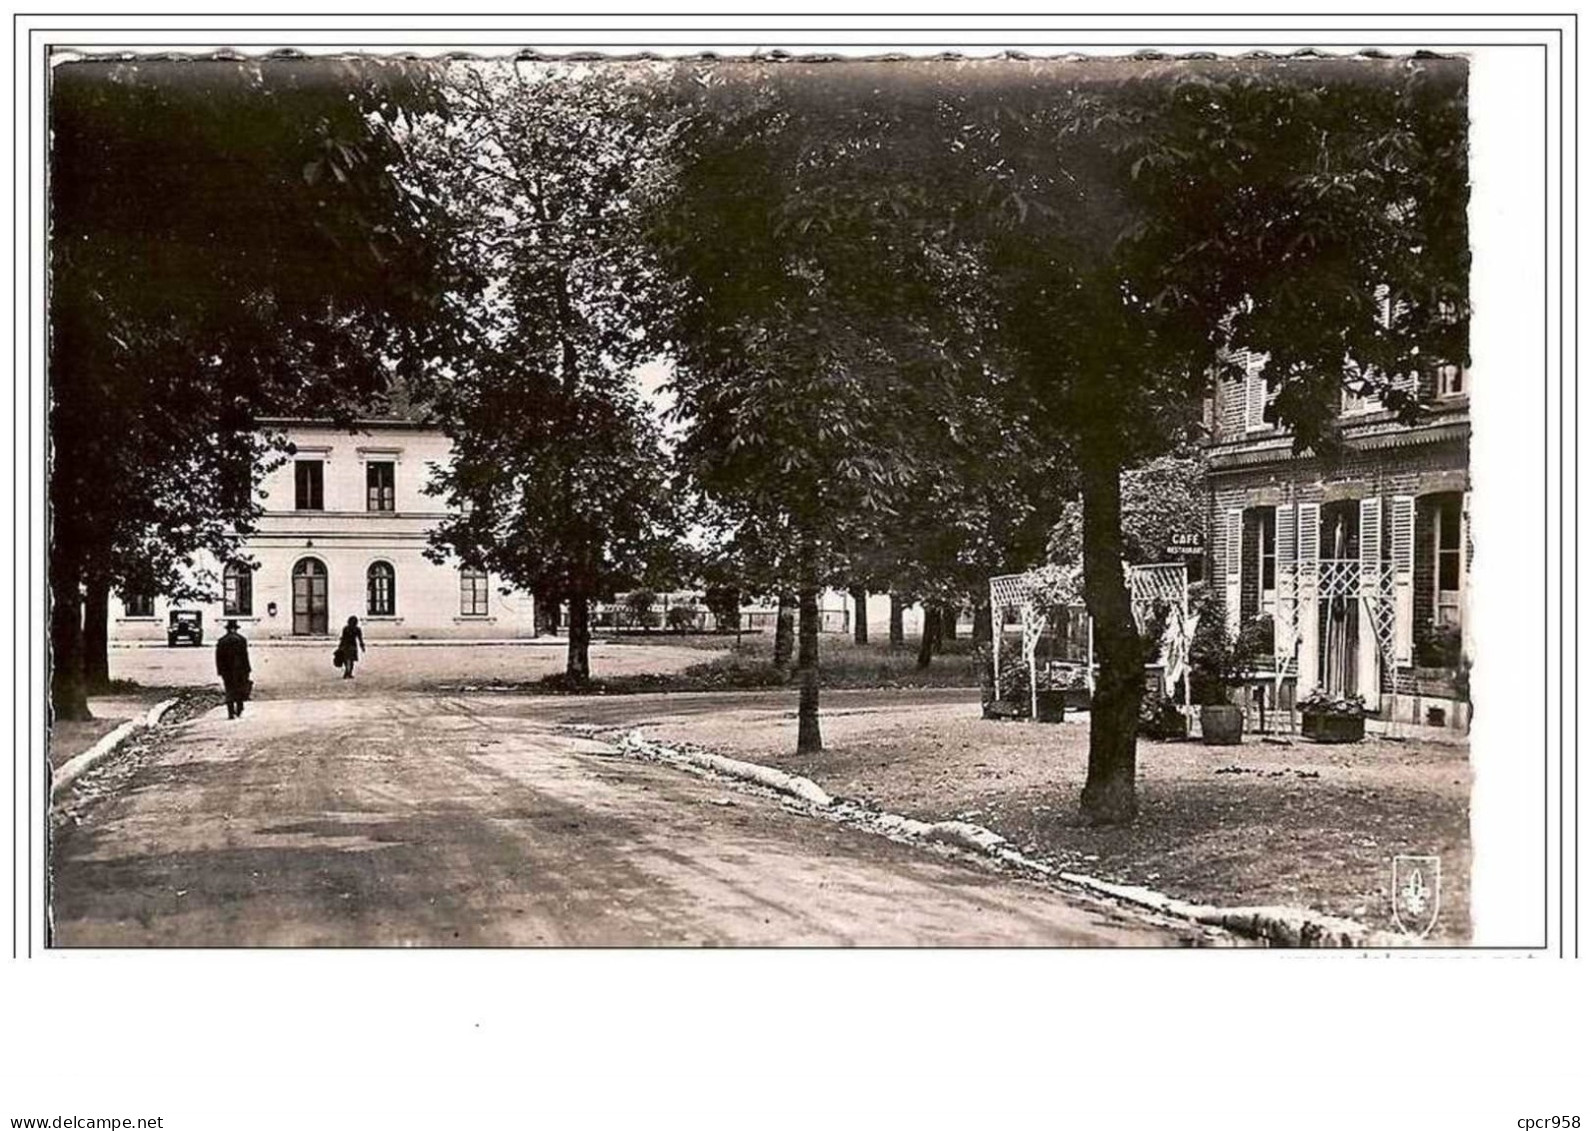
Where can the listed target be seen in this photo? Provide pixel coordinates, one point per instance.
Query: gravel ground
(302, 670)
(417, 820)
(1297, 823)
(69, 739)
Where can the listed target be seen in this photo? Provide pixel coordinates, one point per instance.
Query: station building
(343, 533)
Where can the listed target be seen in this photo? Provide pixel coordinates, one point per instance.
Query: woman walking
(352, 643)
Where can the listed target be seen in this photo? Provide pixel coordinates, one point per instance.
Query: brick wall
(1229, 409)
(1420, 470)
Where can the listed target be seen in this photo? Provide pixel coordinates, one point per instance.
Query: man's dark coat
(232, 660)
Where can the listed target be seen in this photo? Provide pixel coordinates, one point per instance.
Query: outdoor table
(1259, 684)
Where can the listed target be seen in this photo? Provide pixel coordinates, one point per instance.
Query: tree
(1154, 220)
(789, 398)
(723, 602)
(227, 244)
(1160, 501)
(559, 479)
(1109, 233)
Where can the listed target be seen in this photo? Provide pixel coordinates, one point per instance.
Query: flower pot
(1052, 706)
(1222, 724)
(1321, 727)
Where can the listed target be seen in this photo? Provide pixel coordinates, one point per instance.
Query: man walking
(232, 665)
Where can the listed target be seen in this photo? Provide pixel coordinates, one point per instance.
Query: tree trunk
(578, 667)
(784, 631)
(68, 696)
(929, 644)
(96, 635)
(947, 622)
(809, 739)
(1109, 795)
(982, 624)
(859, 601)
(897, 621)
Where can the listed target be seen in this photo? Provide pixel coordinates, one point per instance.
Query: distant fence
(676, 616)
(766, 620)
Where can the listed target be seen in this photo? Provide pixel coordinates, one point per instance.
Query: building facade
(343, 534)
(1362, 565)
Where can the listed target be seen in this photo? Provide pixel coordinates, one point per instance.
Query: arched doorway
(309, 598)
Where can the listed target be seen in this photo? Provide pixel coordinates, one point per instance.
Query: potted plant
(1010, 699)
(1332, 718)
(1213, 663)
(1051, 703)
(1158, 716)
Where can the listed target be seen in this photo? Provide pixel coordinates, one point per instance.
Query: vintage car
(185, 625)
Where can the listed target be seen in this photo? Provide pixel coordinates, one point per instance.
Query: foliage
(559, 480)
(1438, 645)
(724, 603)
(1213, 661)
(1322, 702)
(1107, 234)
(639, 603)
(1159, 501)
(1255, 646)
(228, 243)
(1158, 716)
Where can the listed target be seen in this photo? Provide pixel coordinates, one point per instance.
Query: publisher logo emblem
(1416, 893)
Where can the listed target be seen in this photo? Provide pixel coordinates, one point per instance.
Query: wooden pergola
(1035, 593)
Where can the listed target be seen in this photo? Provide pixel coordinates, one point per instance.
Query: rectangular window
(237, 591)
(138, 604)
(379, 493)
(1266, 521)
(1451, 381)
(1360, 396)
(309, 485)
(1449, 561)
(472, 593)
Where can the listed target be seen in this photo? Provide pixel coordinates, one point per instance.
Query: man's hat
(231, 624)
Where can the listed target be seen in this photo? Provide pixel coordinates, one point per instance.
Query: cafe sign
(1186, 545)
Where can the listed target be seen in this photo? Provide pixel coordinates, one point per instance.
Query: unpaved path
(435, 820)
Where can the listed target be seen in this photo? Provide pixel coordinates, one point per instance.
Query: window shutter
(1234, 567)
(1286, 583)
(1369, 534)
(1309, 533)
(1254, 395)
(1468, 544)
(1403, 578)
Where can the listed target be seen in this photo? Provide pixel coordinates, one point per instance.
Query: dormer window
(1257, 392)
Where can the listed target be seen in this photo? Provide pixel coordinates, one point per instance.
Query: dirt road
(434, 820)
(295, 669)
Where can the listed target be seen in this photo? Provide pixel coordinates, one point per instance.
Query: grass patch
(1262, 823)
(116, 687)
(842, 665)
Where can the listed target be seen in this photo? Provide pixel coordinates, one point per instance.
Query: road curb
(1276, 926)
(792, 785)
(73, 767)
